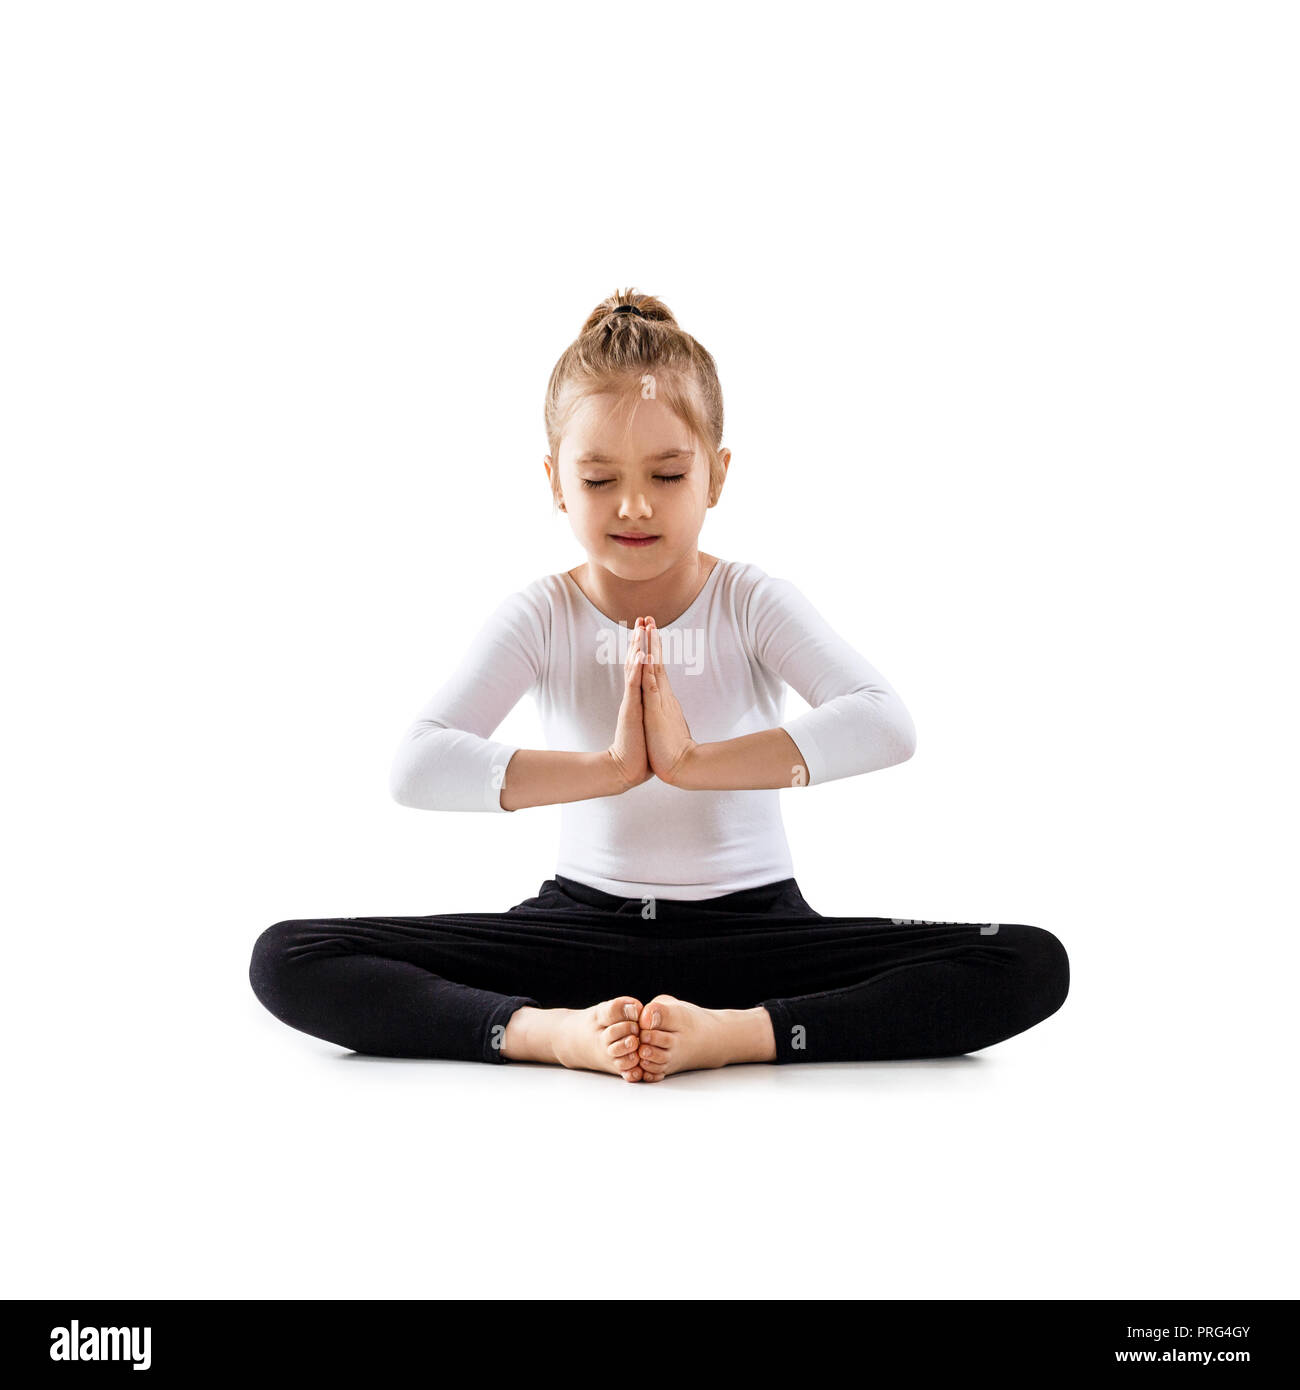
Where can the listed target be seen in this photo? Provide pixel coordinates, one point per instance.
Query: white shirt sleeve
(447, 759)
(857, 722)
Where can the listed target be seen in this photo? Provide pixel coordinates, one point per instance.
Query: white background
(1004, 301)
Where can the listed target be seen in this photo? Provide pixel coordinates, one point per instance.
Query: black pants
(837, 988)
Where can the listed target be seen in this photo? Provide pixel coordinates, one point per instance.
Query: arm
(447, 759)
(544, 777)
(770, 758)
(857, 722)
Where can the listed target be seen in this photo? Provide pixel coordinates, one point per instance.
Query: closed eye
(665, 478)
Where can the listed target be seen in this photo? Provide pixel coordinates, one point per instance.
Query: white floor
(267, 1164)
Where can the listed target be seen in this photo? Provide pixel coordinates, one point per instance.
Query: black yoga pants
(838, 988)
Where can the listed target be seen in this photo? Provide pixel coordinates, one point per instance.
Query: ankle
(755, 1040)
(530, 1035)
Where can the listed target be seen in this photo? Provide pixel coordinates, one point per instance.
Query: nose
(633, 507)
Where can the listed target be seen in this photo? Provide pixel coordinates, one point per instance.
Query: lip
(633, 538)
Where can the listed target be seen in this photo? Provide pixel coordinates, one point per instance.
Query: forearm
(545, 777)
(768, 759)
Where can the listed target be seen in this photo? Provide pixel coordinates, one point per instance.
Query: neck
(665, 597)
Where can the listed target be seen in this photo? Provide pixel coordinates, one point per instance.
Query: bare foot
(679, 1036)
(602, 1038)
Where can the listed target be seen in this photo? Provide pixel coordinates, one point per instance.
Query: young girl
(673, 935)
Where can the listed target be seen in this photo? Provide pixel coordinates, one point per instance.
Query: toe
(616, 1010)
(615, 1031)
(624, 1047)
(652, 1054)
(658, 1013)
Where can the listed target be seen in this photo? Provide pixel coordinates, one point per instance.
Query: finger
(634, 667)
(648, 686)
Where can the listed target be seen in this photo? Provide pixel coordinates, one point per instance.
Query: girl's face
(636, 472)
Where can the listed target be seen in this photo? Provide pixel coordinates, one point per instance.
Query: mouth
(633, 538)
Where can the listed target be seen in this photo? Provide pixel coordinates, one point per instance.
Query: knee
(1045, 963)
(272, 955)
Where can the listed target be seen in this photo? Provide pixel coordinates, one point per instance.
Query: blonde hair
(615, 353)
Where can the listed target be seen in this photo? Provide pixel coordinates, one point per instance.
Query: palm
(667, 735)
(629, 746)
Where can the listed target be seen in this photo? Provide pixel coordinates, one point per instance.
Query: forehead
(622, 428)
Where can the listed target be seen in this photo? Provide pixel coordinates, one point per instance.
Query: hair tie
(629, 309)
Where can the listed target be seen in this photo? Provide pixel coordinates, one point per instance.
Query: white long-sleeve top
(729, 658)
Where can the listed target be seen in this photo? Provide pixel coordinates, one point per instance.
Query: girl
(673, 935)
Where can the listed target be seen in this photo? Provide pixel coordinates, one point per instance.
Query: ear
(548, 464)
(725, 456)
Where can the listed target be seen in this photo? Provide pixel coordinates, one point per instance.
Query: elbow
(888, 734)
(906, 746)
(426, 773)
(904, 737)
(402, 785)
(413, 776)
(900, 737)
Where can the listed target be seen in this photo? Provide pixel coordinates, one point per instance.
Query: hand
(668, 741)
(628, 750)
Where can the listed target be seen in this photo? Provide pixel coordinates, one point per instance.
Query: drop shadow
(739, 1076)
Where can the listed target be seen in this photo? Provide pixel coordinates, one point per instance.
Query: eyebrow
(592, 457)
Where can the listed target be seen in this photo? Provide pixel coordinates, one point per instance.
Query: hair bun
(630, 304)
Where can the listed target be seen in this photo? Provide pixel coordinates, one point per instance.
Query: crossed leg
(774, 989)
